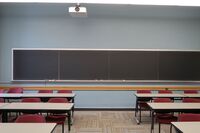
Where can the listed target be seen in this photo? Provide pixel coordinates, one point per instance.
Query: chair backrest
(31, 100)
(189, 117)
(162, 100)
(30, 118)
(191, 100)
(45, 91)
(1, 100)
(1, 91)
(143, 91)
(58, 100)
(15, 90)
(190, 91)
(64, 91)
(165, 92)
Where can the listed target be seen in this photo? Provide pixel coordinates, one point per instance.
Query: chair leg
(63, 128)
(140, 114)
(170, 128)
(150, 113)
(159, 127)
(136, 112)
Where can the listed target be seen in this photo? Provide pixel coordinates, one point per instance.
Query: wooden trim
(80, 88)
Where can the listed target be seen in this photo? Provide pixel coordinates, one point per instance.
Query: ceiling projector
(78, 11)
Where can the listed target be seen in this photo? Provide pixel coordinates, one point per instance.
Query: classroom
(99, 66)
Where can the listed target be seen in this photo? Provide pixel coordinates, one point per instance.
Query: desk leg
(69, 120)
(72, 111)
(152, 121)
(4, 116)
(136, 107)
(136, 111)
(44, 99)
(73, 107)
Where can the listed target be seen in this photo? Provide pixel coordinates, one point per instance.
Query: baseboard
(104, 109)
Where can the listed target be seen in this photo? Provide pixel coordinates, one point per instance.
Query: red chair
(189, 117)
(165, 92)
(143, 91)
(162, 100)
(58, 100)
(45, 91)
(31, 100)
(1, 91)
(64, 91)
(191, 100)
(164, 117)
(15, 90)
(45, 99)
(1, 99)
(58, 118)
(30, 118)
(190, 91)
(142, 103)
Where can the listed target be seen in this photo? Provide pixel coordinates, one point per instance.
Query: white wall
(58, 32)
(112, 33)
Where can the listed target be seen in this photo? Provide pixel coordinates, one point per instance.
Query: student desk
(141, 96)
(172, 107)
(40, 107)
(46, 96)
(27, 127)
(187, 127)
(10, 95)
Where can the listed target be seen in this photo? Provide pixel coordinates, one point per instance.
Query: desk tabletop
(158, 95)
(38, 106)
(3, 104)
(187, 127)
(5, 95)
(48, 95)
(174, 105)
(193, 95)
(19, 95)
(27, 127)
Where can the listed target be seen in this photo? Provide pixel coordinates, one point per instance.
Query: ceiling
(100, 10)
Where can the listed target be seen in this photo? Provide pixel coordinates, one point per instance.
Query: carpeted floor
(110, 122)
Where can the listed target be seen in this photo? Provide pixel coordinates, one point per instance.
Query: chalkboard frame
(97, 80)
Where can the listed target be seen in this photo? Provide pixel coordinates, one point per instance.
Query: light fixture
(78, 11)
